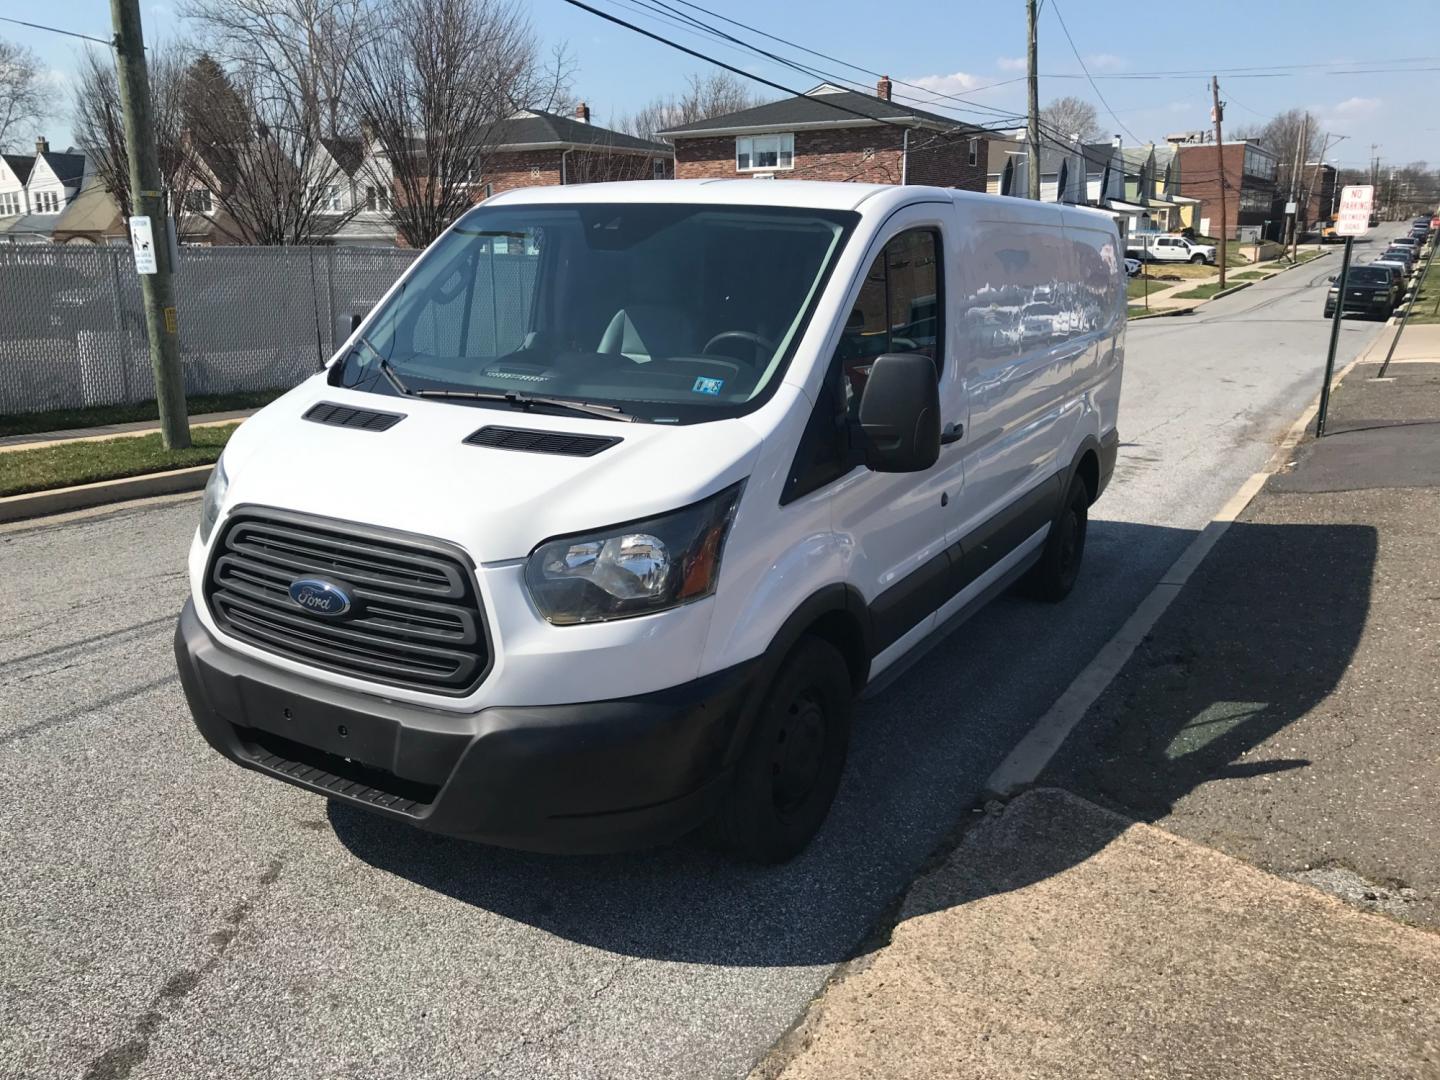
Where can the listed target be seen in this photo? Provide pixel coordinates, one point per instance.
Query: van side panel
(1017, 303)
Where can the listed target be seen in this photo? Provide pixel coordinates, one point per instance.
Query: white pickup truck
(1162, 247)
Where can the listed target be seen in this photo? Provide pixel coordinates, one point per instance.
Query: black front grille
(415, 618)
(335, 774)
(327, 412)
(540, 442)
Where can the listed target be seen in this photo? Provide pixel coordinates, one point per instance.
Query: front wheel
(1196, 260)
(790, 769)
(1055, 574)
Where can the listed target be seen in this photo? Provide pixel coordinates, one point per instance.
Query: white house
(35, 190)
(355, 181)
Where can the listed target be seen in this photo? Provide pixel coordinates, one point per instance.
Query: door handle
(952, 433)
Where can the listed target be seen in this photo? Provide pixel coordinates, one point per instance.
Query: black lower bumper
(1368, 305)
(1109, 451)
(598, 776)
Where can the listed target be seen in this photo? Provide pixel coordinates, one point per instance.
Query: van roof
(813, 194)
(816, 194)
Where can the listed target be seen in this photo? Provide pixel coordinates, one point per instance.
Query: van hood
(420, 476)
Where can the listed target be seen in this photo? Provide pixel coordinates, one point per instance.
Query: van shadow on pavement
(923, 750)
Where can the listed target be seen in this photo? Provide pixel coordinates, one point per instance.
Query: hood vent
(327, 412)
(541, 442)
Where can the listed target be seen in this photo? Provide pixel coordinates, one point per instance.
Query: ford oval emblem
(320, 597)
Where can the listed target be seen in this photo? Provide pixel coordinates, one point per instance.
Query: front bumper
(1373, 304)
(597, 776)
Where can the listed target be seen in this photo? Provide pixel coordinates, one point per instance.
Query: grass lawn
(66, 419)
(1201, 292)
(1134, 310)
(1136, 288)
(1426, 305)
(67, 464)
(1248, 275)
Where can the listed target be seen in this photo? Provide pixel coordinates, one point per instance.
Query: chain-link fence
(72, 326)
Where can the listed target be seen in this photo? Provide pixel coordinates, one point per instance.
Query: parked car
(1368, 291)
(1405, 241)
(1399, 275)
(1132, 267)
(1153, 247)
(1407, 255)
(480, 579)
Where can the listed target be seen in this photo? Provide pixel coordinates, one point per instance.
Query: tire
(1052, 578)
(1196, 260)
(790, 769)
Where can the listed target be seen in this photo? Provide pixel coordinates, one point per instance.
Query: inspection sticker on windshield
(707, 386)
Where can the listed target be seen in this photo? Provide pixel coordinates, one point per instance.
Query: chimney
(882, 88)
(582, 113)
(1115, 142)
(42, 145)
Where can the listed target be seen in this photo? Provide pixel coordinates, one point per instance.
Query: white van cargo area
(596, 525)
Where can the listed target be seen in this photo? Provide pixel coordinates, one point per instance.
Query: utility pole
(1033, 78)
(1218, 112)
(147, 200)
(1301, 141)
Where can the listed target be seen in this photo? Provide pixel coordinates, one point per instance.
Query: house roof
(68, 168)
(533, 128)
(348, 153)
(1136, 157)
(823, 106)
(20, 165)
(1097, 155)
(93, 210)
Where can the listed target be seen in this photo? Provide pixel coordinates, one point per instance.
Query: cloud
(1011, 63)
(956, 83)
(1104, 62)
(1356, 107)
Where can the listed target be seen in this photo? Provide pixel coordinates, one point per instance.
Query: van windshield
(671, 313)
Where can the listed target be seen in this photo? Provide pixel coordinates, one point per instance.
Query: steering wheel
(760, 343)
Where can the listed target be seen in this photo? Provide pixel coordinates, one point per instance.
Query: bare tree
(22, 94)
(302, 50)
(704, 96)
(256, 148)
(100, 130)
(432, 87)
(1068, 117)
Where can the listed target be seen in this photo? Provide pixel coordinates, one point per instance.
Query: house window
(47, 202)
(657, 168)
(974, 156)
(332, 198)
(764, 152)
(198, 201)
(9, 203)
(378, 198)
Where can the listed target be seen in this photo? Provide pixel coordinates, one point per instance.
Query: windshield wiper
(511, 398)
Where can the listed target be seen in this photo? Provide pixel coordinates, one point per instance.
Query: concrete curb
(1230, 290)
(43, 503)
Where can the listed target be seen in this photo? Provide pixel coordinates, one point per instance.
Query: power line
(56, 30)
(1056, 8)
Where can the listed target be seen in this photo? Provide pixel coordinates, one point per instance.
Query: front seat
(644, 331)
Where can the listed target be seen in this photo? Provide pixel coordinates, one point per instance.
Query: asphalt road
(165, 914)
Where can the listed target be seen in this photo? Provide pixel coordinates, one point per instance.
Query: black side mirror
(349, 322)
(900, 413)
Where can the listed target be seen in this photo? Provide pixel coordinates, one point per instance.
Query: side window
(898, 310)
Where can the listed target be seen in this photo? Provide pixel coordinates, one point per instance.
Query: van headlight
(215, 489)
(633, 569)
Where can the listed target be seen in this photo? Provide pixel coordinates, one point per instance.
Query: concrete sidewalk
(1062, 940)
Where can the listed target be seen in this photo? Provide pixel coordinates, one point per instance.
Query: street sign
(142, 242)
(1435, 223)
(1356, 202)
(1290, 208)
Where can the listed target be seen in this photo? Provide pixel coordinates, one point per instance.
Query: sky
(1370, 80)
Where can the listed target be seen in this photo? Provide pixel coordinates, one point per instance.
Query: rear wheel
(790, 769)
(1055, 574)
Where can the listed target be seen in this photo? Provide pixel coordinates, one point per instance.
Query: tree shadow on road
(1284, 605)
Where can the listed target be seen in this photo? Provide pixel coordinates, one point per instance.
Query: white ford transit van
(595, 526)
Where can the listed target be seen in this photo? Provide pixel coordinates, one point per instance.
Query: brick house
(1321, 194)
(1249, 171)
(539, 149)
(831, 133)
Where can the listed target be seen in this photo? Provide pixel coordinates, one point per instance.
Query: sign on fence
(1355, 203)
